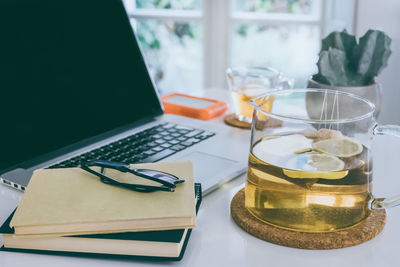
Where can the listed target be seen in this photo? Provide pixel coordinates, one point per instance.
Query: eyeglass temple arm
(165, 180)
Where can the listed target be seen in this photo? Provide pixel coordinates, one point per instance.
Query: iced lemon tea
(247, 83)
(241, 97)
(313, 181)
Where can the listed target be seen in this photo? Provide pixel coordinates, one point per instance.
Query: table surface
(218, 241)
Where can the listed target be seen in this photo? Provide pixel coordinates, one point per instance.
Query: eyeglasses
(167, 181)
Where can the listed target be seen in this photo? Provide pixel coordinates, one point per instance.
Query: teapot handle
(383, 203)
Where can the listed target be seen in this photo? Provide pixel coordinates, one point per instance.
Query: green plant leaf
(340, 40)
(371, 55)
(332, 65)
(320, 78)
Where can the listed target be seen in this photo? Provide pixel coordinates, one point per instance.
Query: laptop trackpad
(208, 166)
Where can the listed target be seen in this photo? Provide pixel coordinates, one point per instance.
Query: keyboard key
(166, 145)
(124, 160)
(158, 156)
(130, 153)
(116, 150)
(152, 144)
(182, 138)
(133, 159)
(193, 140)
(157, 148)
(193, 133)
(134, 143)
(205, 135)
(186, 143)
(171, 130)
(149, 152)
(160, 141)
(118, 158)
(174, 142)
(137, 150)
(150, 132)
(175, 134)
(177, 147)
(141, 155)
(180, 127)
(125, 149)
(108, 154)
(168, 138)
(183, 131)
(148, 139)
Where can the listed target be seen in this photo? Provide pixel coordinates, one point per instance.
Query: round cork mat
(233, 121)
(269, 123)
(352, 236)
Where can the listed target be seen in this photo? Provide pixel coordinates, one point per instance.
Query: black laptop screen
(69, 70)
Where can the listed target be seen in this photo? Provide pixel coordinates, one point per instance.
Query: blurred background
(189, 44)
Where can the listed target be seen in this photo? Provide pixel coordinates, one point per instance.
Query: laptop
(74, 86)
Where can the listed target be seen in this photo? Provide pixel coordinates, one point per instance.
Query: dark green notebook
(153, 245)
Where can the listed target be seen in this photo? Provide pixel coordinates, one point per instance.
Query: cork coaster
(233, 121)
(269, 123)
(352, 236)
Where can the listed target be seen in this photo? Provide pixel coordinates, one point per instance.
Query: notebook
(72, 201)
(160, 245)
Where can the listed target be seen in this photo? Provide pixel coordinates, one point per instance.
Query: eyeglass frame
(166, 184)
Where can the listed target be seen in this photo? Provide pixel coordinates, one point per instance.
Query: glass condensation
(174, 52)
(291, 49)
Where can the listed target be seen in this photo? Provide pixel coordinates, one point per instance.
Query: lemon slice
(344, 147)
(326, 162)
(326, 167)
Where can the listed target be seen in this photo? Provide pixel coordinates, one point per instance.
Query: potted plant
(347, 66)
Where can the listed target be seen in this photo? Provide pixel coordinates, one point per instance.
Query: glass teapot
(313, 174)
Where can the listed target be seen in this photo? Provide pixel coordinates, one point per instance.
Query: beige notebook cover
(72, 201)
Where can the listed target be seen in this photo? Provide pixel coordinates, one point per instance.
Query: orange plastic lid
(192, 106)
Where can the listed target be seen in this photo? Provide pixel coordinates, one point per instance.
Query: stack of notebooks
(70, 212)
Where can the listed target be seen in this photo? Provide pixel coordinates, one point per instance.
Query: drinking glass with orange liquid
(247, 83)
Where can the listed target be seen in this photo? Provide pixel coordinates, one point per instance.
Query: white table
(218, 241)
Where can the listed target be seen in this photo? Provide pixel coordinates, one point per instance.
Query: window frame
(218, 17)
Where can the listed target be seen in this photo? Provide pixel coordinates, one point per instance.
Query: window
(189, 44)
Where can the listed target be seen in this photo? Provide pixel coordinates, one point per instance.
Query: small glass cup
(246, 83)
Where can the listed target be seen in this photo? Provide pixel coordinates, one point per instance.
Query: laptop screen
(69, 70)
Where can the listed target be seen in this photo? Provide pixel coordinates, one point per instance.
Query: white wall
(384, 15)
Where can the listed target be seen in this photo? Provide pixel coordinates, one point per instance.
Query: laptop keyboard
(150, 145)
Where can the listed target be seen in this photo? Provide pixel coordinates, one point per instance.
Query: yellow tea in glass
(248, 83)
(314, 174)
(293, 185)
(242, 95)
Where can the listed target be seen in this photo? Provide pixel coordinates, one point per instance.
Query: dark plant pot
(371, 92)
